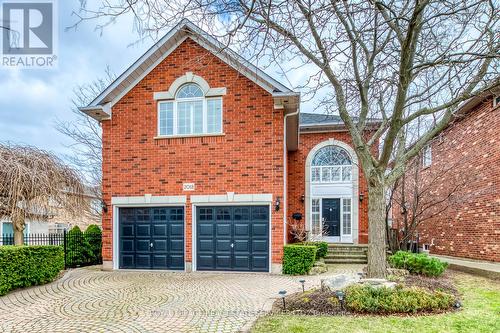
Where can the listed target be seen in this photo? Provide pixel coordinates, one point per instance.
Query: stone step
(365, 246)
(346, 256)
(345, 249)
(346, 261)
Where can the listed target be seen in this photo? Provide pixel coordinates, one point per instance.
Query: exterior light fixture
(361, 197)
(303, 282)
(104, 206)
(277, 203)
(282, 294)
(340, 296)
(302, 198)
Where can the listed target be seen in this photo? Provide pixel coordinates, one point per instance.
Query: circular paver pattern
(89, 300)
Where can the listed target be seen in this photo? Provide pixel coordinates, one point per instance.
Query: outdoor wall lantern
(361, 197)
(302, 198)
(104, 206)
(277, 204)
(282, 294)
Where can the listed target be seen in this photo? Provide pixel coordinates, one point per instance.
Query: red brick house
(205, 158)
(469, 149)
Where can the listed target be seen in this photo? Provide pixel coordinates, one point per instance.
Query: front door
(331, 218)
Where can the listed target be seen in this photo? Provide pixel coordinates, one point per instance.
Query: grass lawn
(480, 313)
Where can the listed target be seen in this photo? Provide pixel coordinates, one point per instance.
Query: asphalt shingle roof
(309, 119)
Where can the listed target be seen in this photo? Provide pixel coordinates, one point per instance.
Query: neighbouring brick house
(469, 149)
(205, 159)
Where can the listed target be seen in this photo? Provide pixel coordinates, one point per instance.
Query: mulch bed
(317, 302)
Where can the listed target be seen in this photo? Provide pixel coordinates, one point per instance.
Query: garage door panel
(260, 229)
(260, 262)
(127, 230)
(223, 261)
(223, 245)
(205, 261)
(241, 229)
(223, 229)
(242, 262)
(143, 230)
(160, 261)
(161, 227)
(260, 245)
(232, 238)
(177, 245)
(205, 229)
(127, 245)
(176, 261)
(242, 245)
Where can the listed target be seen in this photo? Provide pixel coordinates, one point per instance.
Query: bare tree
(416, 198)
(85, 134)
(398, 60)
(33, 183)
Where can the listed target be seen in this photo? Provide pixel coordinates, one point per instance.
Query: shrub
(24, 266)
(418, 263)
(368, 299)
(78, 248)
(93, 236)
(322, 248)
(298, 259)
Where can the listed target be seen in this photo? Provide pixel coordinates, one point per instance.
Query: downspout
(285, 176)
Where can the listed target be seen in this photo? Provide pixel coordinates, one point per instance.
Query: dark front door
(232, 238)
(152, 238)
(331, 217)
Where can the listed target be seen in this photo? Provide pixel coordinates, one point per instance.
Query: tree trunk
(18, 224)
(377, 252)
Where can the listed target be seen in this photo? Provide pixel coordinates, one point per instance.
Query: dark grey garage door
(152, 238)
(232, 238)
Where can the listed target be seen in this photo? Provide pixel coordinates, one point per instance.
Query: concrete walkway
(477, 267)
(90, 300)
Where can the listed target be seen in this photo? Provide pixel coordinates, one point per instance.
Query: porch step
(346, 254)
(346, 261)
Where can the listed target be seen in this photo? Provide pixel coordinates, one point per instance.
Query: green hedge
(78, 248)
(24, 266)
(322, 248)
(93, 236)
(368, 299)
(418, 263)
(298, 259)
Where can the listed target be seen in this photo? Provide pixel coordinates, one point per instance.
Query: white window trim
(331, 181)
(342, 236)
(175, 118)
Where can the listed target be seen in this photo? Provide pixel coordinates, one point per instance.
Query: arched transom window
(331, 164)
(191, 113)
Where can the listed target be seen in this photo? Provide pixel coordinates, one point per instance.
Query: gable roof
(100, 107)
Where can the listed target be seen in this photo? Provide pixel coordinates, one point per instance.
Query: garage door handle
(150, 244)
(232, 245)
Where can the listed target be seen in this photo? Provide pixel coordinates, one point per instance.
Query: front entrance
(331, 219)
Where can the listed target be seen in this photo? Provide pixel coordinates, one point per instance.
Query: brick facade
(248, 158)
(296, 177)
(470, 226)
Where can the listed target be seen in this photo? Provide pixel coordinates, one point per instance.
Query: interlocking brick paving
(90, 300)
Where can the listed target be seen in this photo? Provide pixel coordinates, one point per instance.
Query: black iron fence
(80, 249)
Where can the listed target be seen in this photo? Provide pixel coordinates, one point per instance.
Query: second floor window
(427, 157)
(191, 113)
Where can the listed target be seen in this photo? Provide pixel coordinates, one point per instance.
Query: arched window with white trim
(331, 164)
(190, 113)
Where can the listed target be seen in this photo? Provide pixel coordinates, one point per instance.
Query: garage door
(232, 238)
(152, 238)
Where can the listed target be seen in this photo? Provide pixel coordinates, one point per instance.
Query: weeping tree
(36, 183)
(401, 61)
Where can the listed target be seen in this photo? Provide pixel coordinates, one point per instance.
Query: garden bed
(413, 295)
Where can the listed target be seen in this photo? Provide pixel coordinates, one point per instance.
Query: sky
(33, 100)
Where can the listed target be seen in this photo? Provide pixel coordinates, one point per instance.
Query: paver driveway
(89, 300)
